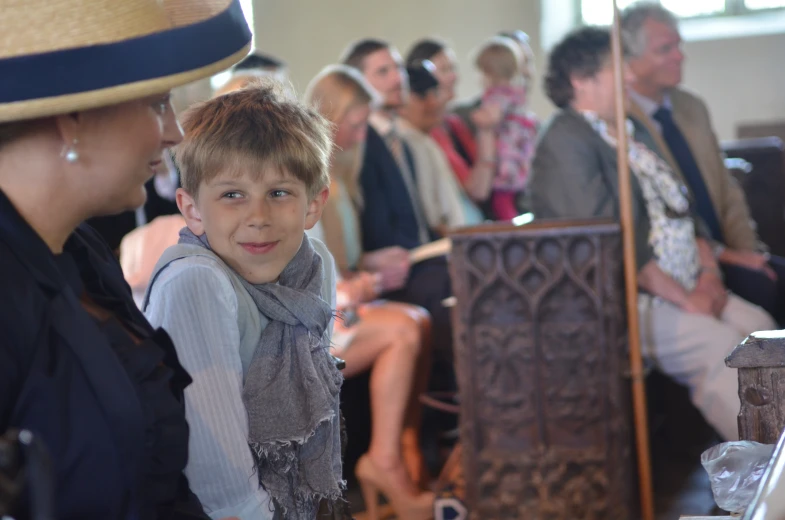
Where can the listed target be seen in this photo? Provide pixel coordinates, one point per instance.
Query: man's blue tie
(689, 168)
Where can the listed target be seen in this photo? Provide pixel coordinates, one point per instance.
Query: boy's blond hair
(253, 129)
(499, 58)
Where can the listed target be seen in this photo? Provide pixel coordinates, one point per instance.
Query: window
(222, 77)
(247, 6)
(600, 12)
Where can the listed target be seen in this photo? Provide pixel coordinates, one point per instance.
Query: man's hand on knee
(748, 259)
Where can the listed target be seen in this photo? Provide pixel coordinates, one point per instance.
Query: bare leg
(388, 341)
(410, 438)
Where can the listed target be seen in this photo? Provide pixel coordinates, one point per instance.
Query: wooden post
(760, 360)
(631, 277)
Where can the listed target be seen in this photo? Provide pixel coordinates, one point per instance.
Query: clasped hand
(709, 296)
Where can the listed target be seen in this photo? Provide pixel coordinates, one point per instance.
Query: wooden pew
(541, 358)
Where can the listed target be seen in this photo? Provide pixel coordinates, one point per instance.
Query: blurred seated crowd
(407, 163)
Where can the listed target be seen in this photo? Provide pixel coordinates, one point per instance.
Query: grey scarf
(291, 389)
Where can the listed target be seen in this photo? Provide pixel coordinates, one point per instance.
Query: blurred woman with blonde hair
(388, 337)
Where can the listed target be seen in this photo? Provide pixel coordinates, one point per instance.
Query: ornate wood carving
(760, 360)
(541, 356)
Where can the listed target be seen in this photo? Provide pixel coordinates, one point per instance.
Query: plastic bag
(735, 470)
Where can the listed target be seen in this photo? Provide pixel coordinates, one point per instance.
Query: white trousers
(691, 348)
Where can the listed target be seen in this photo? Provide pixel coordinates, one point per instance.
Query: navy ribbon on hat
(96, 67)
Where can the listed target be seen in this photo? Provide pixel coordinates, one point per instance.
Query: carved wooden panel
(541, 356)
(760, 360)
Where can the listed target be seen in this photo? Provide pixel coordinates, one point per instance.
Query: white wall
(742, 79)
(310, 34)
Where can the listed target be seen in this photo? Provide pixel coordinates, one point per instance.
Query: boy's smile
(259, 248)
(254, 220)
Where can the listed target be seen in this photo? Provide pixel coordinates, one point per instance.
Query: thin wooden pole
(630, 279)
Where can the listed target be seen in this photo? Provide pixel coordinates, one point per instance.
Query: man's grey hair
(634, 17)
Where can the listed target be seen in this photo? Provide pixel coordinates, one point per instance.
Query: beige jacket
(437, 186)
(692, 117)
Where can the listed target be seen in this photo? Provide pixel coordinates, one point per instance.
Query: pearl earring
(70, 153)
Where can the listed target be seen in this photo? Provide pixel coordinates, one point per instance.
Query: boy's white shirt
(196, 303)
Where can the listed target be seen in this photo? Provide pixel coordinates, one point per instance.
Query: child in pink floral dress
(499, 62)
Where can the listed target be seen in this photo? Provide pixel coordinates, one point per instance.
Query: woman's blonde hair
(333, 92)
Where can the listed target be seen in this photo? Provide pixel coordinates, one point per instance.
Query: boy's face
(254, 223)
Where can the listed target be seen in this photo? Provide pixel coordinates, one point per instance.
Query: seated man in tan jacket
(676, 124)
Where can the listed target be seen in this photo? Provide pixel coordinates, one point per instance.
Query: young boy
(248, 300)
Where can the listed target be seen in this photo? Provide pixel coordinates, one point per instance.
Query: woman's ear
(315, 208)
(189, 209)
(67, 127)
(576, 83)
(580, 84)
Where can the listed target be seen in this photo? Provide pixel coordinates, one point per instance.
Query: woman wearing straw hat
(84, 118)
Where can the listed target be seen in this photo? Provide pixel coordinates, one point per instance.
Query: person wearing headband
(80, 366)
(443, 199)
(469, 145)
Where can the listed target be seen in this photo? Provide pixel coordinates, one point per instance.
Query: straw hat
(59, 56)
